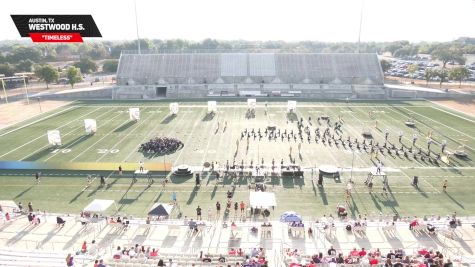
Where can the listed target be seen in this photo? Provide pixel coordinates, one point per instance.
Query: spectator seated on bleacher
(237, 252)
(117, 254)
(154, 253)
(341, 210)
(206, 258)
(373, 261)
(362, 252)
(60, 222)
(354, 253)
(221, 258)
(413, 224)
(92, 250)
(84, 247)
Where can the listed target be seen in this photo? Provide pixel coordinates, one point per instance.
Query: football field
(219, 139)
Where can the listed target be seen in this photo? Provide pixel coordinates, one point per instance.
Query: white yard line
(211, 135)
(43, 135)
(41, 119)
(454, 109)
(127, 135)
(187, 141)
(102, 138)
(464, 134)
(72, 144)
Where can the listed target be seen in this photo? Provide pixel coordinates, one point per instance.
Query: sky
(261, 20)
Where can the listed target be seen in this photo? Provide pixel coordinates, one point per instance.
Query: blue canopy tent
(290, 216)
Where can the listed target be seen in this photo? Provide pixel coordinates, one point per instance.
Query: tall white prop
(174, 108)
(212, 106)
(291, 106)
(90, 125)
(54, 138)
(134, 114)
(251, 103)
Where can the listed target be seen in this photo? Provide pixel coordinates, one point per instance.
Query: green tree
(47, 73)
(459, 74)
(74, 75)
(407, 50)
(442, 74)
(24, 66)
(7, 69)
(446, 54)
(24, 53)
(385, 65)
(412, 69)
(110, 65)
(428, 75)
(86, 65)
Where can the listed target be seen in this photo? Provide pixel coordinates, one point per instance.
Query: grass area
(117, 140)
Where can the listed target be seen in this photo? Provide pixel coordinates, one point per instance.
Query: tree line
(22, 56)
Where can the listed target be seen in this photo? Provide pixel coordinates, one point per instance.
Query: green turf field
(118, 139)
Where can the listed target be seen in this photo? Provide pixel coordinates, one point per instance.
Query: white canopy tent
(90, 125)
(8, 206)
(262, 199)
(174, 108)
(54, 137)
(291, 106)
(251, 103)
(134, 114)
(212, 106)
(99, 205)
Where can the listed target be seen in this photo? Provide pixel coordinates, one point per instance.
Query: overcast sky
(289, 20)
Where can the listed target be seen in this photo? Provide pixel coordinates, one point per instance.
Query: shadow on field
(77, 196)
(323, 195)
(455, 201)
(168, 119)
(375, 201)
(423, 193)
(23, 192)
(44, 152)
(192, 195)
(124, 126)
(208, 116)
(76, 141)
(39, 154)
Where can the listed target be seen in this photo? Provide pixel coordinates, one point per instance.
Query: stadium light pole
(4, 91)
(39, 103)
(26, 90)
(361, 23)
(137, 25)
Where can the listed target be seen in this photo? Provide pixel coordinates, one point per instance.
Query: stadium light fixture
(4, 91)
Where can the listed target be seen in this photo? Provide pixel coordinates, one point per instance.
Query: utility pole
(361, 23)
(137, 25)
(26, 89)
(4, 91)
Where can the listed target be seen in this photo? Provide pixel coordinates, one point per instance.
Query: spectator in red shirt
(354, 253)
(373, 261)
(362, 253)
